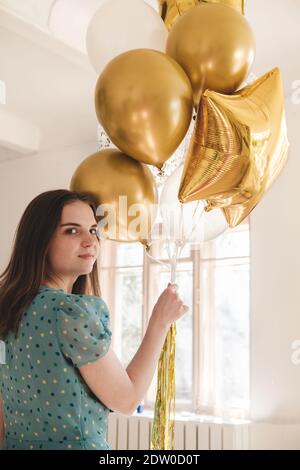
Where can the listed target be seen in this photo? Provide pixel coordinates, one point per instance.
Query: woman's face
(74, 246)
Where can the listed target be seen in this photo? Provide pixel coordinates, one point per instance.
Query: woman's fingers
(173, 286)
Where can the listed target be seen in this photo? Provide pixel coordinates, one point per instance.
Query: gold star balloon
(238, 148)
(170, 10)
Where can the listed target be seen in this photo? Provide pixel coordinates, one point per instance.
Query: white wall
(275, 231)
(275, 245)
(275, 289)
(24, 178)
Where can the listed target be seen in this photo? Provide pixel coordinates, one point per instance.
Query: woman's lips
(86, 256)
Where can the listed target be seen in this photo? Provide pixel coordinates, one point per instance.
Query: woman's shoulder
(70, 302)
(50, 295)
(45, 291)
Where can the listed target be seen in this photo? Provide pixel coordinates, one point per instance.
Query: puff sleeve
(82, 329)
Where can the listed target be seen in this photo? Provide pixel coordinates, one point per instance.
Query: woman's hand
(169, 306)
(122, 390)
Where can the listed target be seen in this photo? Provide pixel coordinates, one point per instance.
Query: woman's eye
(94, 231)
(70, 230)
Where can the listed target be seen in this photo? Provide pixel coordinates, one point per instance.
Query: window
(212, 344)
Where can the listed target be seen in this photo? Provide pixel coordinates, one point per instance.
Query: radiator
(134, 433)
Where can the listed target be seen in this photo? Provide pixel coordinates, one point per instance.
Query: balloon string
(156, 259)
(163, 431)
(194, 224)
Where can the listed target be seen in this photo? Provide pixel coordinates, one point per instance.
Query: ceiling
(50, 83)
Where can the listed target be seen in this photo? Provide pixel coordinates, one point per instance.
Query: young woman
(61, 377)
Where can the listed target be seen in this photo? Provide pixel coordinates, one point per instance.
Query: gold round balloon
(215, 46)
(144, 101)
(170, 10)
(124, 191)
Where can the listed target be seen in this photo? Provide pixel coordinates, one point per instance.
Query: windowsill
(189, 416)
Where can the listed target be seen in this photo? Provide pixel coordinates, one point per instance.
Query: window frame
(203, 384)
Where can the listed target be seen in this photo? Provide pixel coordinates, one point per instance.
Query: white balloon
(211, 226)
(69, 20)
(178, 219)
(122, 25)
(187, 222)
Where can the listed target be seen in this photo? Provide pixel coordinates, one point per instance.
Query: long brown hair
(28, 265)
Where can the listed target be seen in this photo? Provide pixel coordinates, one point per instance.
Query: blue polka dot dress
(47, 405)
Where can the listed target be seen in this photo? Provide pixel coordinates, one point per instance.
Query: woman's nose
(88, 239)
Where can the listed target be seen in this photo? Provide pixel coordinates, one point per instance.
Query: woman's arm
(1, 423)
(122, 390)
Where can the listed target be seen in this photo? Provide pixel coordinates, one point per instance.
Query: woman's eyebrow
(77, 225)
